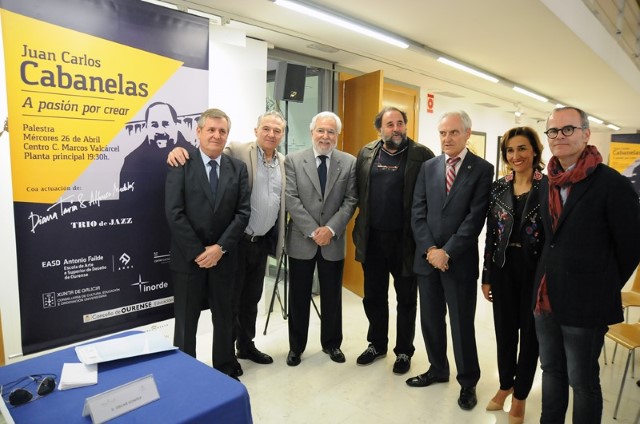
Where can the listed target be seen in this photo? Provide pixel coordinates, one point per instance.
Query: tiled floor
(321, 391)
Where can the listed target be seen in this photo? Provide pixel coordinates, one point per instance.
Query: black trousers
(512, 290)
(384, 257)
(439, 292)
(193, 290)
(300, 284)
(247, 290)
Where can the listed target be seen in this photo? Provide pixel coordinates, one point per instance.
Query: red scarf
(559, 178)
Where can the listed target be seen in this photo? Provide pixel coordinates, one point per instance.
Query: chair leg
(624, 377)
(604, 351)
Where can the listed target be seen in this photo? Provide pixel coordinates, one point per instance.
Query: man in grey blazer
(320, 199)
(449, 208)
(207, 208)
(264, 234)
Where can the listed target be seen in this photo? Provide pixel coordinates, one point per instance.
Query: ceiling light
(467, 69)
(613, 127)
(530, 94)
(596, 120)
(342, 21)
(559, 105)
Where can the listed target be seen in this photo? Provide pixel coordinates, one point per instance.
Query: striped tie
(451, 172)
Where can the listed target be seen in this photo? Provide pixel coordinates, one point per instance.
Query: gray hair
(584, 118)
(214, 114)
(272, 113)
(323, 115)
(466, 121)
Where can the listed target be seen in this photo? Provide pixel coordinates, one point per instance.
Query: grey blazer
(308, 210)
(248, 153)
(452, 222)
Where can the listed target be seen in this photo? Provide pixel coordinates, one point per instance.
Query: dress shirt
(461, 155)
(206, 159)
(265, 196)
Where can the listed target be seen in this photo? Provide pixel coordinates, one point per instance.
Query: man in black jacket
(591, 219)
(386, 172)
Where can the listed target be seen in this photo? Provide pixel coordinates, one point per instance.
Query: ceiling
(555, 48)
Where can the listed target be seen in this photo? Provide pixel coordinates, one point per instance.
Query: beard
(391, 144)
(162, 140)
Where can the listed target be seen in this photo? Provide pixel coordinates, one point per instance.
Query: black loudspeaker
(290, 81)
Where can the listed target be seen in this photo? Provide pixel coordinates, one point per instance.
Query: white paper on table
(4, 413)
(78, 375)
(123, 347)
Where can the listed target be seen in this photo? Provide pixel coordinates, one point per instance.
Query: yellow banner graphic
(69, 94)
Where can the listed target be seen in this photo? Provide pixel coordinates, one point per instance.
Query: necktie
(451, 171)
(213, 178)
(322, 172)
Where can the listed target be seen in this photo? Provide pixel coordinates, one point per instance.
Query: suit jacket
(452, 222)
(416, 155)
(594, 250)
(248, 153)
(194, 219)
(309, 210)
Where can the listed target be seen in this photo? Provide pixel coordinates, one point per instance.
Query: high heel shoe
(517, 419)
(495, 405)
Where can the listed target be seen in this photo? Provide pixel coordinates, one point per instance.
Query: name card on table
(120, 400)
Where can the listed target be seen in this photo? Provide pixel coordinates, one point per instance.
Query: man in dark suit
(320, 198)
(449, 208)
(386, 172)
(591, 218)
(207, 207)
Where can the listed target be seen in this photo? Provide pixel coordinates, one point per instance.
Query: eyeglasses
(20, 396)
(566, 130)
(322, 131)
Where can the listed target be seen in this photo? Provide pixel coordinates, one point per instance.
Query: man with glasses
(591, 219)
(320, 199)
(264, 234)
(386, 172)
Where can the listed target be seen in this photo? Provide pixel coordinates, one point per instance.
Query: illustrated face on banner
(162, 130)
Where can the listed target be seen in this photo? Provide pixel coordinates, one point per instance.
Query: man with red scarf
(591, 218)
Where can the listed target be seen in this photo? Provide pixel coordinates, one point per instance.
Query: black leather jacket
(500, 223)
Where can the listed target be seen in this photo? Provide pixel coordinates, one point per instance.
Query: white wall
(236, 85)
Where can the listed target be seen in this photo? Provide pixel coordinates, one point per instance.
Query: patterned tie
(451, 172)
(322, 172)
(213, 178)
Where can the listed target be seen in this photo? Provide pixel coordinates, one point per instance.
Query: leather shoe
(254, 355)
(426, 379)
(293, 359)
(467, 399)
(236, 371)
(335, 354)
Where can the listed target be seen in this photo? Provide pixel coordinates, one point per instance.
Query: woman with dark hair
(513, 244)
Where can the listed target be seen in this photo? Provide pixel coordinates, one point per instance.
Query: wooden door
(360, 101)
